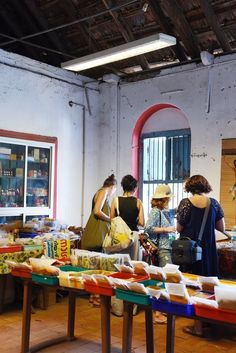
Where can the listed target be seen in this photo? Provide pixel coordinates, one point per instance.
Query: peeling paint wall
(34, 98)
(205, 95)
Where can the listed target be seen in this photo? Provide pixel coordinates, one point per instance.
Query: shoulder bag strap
(204, 220)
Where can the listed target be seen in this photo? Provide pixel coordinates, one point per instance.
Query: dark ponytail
(110, 181)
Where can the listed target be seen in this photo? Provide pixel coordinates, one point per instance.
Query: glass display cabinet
(26, 179)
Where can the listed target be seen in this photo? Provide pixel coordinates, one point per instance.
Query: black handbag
(186, 251)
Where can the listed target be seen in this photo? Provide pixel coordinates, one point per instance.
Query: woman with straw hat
(160, 224)
(161, 230)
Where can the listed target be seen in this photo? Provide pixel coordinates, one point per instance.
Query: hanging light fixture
(124, 51)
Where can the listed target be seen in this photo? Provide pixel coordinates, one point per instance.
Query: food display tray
(30, 247)
(24, 273)
(49, 280)
(137, 298)
(172, 308)
(10, 248)
(98, 289)
(216, 314)
(131, 277)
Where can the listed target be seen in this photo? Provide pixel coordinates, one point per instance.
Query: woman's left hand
(170, 229)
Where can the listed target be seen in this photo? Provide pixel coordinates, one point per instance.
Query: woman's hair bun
(111, 180)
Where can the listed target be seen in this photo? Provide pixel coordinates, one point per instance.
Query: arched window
(162, 151)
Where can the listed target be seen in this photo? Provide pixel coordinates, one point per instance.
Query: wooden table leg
(149, 330)
(106, 323)
(71, 315)
(3, 281)
(127, 327)
(170, 334)
(26, 316)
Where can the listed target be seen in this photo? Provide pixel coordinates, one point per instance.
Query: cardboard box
(5, 150)
(19, 172)
(13, 157)
(45, 297)
(36, 154)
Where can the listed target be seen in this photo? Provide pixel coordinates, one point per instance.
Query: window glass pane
(166, 159)
(9, 219)
(12, 171)
(38, 177)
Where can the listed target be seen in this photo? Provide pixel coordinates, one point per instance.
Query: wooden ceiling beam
(215, 25)
(126, 32)
(164, 24)
(182, 27)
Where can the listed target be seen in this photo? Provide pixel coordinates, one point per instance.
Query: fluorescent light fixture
(124, 51)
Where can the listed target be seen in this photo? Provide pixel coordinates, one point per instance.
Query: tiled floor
(52, 322)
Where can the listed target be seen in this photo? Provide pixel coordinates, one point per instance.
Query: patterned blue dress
(161, 218)
(190, 218)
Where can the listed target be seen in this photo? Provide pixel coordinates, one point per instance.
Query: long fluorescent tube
(124, 51)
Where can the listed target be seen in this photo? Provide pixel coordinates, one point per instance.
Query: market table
(128, 328)
(19, 256)
(26, 319)
(170, 328)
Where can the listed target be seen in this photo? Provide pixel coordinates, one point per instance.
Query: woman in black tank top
(130, 208)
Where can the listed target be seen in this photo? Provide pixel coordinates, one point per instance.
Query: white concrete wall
(34, 99)
(206, 96)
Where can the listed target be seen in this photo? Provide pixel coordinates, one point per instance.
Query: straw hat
(162, 191)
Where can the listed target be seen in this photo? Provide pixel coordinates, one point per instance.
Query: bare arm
(179, 228)
(141, 213)
(220, 225)
(113, 208)
(99, 202)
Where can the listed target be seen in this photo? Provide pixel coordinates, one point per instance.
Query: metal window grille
(165, 159)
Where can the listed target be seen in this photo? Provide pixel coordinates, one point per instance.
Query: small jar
(233, 241)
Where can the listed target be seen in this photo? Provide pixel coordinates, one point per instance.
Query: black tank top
(129, 211)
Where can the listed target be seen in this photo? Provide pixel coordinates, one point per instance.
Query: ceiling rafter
(71, 23)
(15, 29)
(183, 28)
(53, 31)
(43, 23)
(88, 36)
(26, 43)
(214, 23)
(126, 33)
(161, 19)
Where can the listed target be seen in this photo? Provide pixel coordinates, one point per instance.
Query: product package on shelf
(95, 260)
(57, 249)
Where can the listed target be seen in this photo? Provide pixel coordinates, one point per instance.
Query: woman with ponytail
(99, 221)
